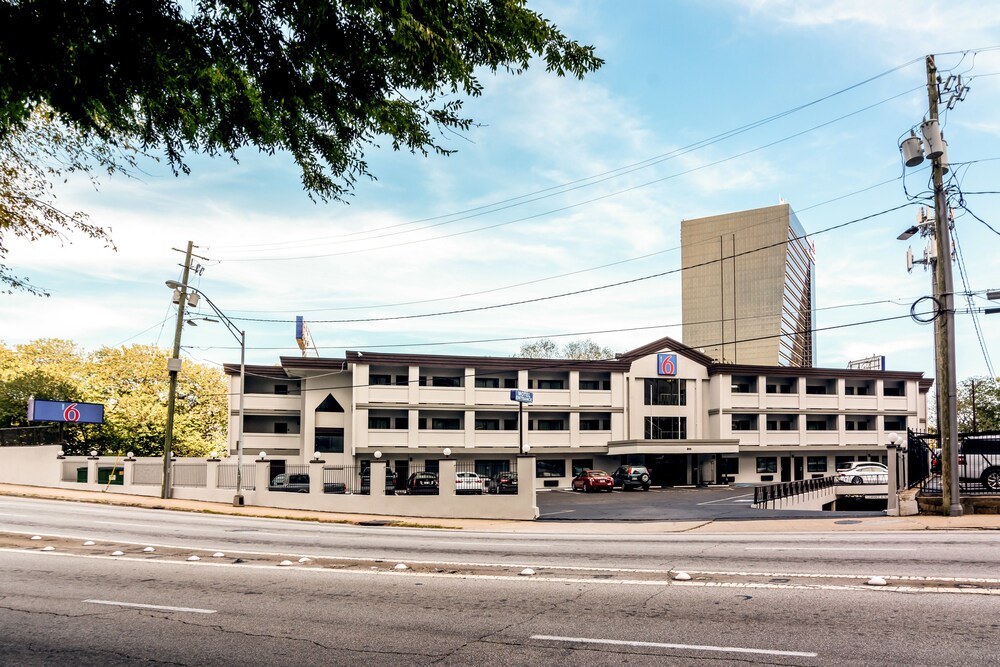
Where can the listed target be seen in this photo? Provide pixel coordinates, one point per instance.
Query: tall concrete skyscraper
(749, 287)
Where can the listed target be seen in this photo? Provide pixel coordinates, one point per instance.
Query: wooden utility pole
(944, 323)
(174, 366)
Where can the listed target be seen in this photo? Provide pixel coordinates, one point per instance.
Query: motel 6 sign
(666, 364)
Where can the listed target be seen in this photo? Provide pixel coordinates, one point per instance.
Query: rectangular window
(510, 424)
(422, 381)
(590, 424)
(432, 465)
(446, 382)
(550, 468)
(816, 463)
(767, 464)
(379, 379)
(549, 425)
(889, 390)
(488, 383)
(579, 465)
(446, 423)
(402, 423)
(487, 424)
(744, 423)
(741, 387)
(659, 391)
(281, 389)
(729, 466)
(510, 383)
(402, 380)
(329, 441)
(841, 461)
(280, 427)
(816, 425)
(550, 384)
(894, 423)
(666, 428)
(378, 422)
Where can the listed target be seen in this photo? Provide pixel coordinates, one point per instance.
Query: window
(550, 468)
(402, 380)
(432, 465)
(446, 382)
(895, 423)
(281, 389)
(329, 440)
(402, 423)
(781, 424)
(741, 387)
(446, 423)
(842, 461)
(379, 380)
(816, 463)
(488, 383)
(660, 391)
(281, 427)
(666, 428)
(378, 422)
(548, 425)
(422, 381)
(767, 464)
(579, 465)
(595, 424)
(550, 384)
(510, 383)
(729, 465)
(487, 424)
(815, 389)
(510, 424)
(816, 425)
(590, 385)
(744, 422)
(893, 389)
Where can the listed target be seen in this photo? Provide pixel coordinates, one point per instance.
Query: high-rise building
(748, 287)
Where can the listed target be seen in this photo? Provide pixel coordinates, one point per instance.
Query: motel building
(691, 420)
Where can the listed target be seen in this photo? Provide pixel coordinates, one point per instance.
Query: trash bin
(81, 475)
(110, 475)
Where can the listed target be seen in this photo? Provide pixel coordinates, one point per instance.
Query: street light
(240, 336)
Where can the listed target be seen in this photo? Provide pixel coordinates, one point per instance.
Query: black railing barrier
(771, 493)
(978, 463)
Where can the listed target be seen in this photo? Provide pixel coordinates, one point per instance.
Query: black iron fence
(769, 494)
(28, 436)
(978, 463)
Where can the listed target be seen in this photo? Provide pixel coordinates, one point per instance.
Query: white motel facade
(691, 420)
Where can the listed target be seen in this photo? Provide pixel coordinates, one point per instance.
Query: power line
(589, 289)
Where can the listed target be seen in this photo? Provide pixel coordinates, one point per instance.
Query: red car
(593, 480)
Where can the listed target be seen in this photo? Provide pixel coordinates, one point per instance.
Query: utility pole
(944, 323)
(174, 366)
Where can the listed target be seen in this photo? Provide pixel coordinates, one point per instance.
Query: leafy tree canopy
(317, 78)
(130, 382)
(984, 393)
(545, 348)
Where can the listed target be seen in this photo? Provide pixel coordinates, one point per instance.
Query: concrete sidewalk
(777, 524)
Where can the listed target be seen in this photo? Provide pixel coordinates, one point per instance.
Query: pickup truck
(299, 483)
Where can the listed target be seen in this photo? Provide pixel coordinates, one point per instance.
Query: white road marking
(559, 512)
(825, 549)
(722, 500)
(683, 647)
(158, 607)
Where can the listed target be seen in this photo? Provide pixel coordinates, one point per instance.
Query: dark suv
(631, 477)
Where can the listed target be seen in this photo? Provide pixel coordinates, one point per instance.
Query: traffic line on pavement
(157, 607)
(722, 500)
(683, 647)
(828, 549)
(559, 512)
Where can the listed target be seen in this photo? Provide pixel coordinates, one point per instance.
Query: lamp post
(240, 335)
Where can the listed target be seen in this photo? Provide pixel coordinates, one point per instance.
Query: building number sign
(666, 364)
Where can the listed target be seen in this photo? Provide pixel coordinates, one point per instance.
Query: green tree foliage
(319, 79)
(131, 382)
(987, 405)
(545, 348)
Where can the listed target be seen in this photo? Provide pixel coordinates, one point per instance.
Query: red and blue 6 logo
(666, 364)
(71, 413)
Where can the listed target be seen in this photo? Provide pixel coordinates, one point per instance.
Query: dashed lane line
(157, 607)
(682, 647)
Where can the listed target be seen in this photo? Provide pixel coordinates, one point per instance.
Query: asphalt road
(61, 609)
(670, 504)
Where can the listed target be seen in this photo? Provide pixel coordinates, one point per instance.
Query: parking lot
(667, 504)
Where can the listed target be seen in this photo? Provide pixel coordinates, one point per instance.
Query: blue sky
(677, 73)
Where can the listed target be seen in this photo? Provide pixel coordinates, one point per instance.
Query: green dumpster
(81, 475)
(110, 475)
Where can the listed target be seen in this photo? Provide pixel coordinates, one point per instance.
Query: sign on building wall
(65, 411)
(666, 364)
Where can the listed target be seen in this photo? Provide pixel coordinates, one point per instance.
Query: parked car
(593, 480)
(979, 460)
(503, 483)
(299, 483)
(631, 477)
(390, 481)
(864, 473)
(422, 483)
(850, 465)
(468, 483)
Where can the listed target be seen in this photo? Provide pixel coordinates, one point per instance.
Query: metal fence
(978, 463)
(27, 436)
(148, 474)
(344, 479)
(769, 494)
(193, 474)
(225, 477)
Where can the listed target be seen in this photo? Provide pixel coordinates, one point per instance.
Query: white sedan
(468, 483)
(864, 473)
